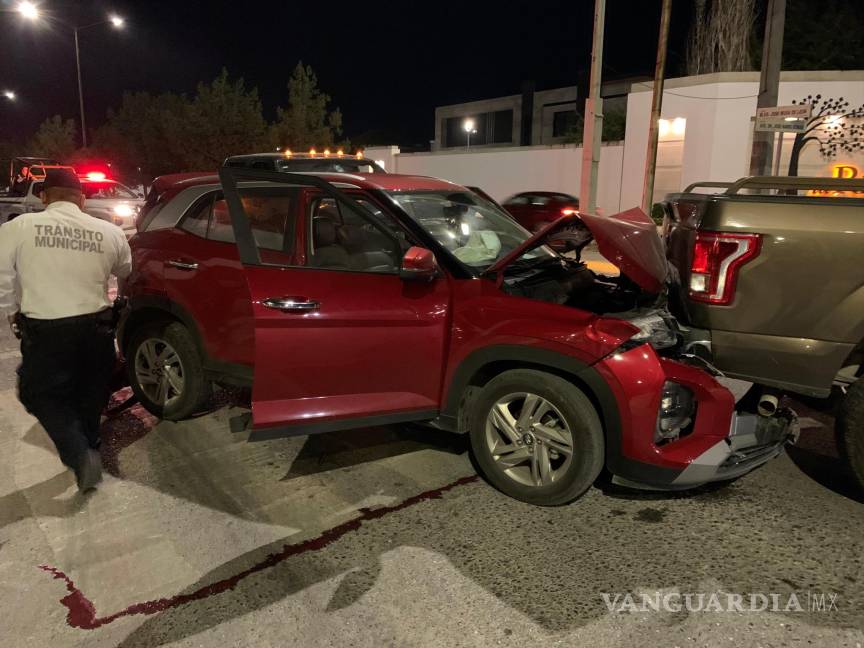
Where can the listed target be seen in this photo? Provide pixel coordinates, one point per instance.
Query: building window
(563, 123)
(492, 128)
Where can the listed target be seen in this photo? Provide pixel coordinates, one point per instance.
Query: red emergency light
(95, 176)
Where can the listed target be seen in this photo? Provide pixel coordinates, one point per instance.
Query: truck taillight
(717, 257)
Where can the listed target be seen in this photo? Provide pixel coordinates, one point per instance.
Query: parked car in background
(535, 209)
(356, 300)
(772, 267)
(104, 198)
(305, 163)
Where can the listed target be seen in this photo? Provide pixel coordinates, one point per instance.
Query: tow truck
(104, 198)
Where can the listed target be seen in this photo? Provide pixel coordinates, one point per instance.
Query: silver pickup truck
(105, 199)
(773, 268)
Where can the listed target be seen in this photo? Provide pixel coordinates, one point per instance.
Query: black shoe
(89, 473)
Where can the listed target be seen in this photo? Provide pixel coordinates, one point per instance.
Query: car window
(220, 223)
(517, 200)
(389, 222)
(271, 214)
(196, 219)
(272, 218)
(342, 239)
(539, 200)
(471, 228)
(107, 190)
(332, 165)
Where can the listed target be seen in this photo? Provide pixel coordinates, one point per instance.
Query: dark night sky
(386, 64)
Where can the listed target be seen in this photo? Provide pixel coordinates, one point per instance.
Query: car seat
(326, 251)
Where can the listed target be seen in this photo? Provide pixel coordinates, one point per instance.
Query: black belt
(105, 315)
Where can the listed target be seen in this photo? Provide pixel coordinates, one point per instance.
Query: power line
(686, 96)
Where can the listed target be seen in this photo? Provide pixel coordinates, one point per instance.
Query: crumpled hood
(629, 240)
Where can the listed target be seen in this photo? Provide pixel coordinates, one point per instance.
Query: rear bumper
(816, 362)
(721, 444)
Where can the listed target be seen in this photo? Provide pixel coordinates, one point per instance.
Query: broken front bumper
(720, 444)
(753, 440)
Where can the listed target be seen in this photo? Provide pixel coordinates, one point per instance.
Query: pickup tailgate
(788, 310)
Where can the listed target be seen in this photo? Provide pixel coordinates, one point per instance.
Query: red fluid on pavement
(82, 612)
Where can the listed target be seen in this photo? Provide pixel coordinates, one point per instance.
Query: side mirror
(418, 264)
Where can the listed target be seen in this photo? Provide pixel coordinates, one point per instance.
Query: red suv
(355, 300)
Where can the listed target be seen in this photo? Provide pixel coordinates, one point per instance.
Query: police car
(104, 198)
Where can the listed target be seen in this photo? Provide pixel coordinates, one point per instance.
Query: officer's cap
(64, 178)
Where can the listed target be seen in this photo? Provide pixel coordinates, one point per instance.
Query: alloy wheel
(529, 439)
(159, 371)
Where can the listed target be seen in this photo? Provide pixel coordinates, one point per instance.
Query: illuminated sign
(845, 172)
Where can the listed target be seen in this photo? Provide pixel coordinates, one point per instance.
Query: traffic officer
(54, 271)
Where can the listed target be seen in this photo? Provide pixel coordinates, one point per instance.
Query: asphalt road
(385, 537)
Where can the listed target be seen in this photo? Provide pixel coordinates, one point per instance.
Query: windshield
(473, 229)
(106, 191)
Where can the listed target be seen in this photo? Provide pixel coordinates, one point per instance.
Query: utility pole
(593, 124)
(656, 104)
(80, 92)
(769, 82)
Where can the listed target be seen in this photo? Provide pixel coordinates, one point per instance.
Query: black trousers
(64, 379)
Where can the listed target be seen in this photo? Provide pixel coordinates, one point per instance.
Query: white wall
(718, 109)
(503, 172)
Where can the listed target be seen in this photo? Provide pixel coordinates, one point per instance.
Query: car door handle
(183, 265)
(297, 304)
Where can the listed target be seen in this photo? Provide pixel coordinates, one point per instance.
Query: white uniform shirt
(58, 261)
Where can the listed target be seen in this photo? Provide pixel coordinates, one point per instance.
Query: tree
(720, 36)
(224, 119)
(834, 126)
(306, 122)
(823, 35)
(168, 133)
(145, 132)
(614, 126)
(55, 138)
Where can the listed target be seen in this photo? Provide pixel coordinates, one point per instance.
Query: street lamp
(28, 10)
(11, 96)
(468, 127)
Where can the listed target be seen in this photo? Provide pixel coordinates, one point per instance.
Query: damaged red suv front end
(678, 423)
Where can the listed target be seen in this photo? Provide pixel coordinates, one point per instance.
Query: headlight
(677, 407)
(660, 332)
(124, 210)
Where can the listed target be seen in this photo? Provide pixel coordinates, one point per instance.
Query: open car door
(341, 341)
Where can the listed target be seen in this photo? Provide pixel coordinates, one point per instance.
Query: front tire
(536, 437)
(165, 371)
(850, 429)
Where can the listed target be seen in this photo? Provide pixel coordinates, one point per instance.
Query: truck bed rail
(783, 185)
(787, 183)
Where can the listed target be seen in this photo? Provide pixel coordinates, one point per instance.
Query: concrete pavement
(385, 537)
